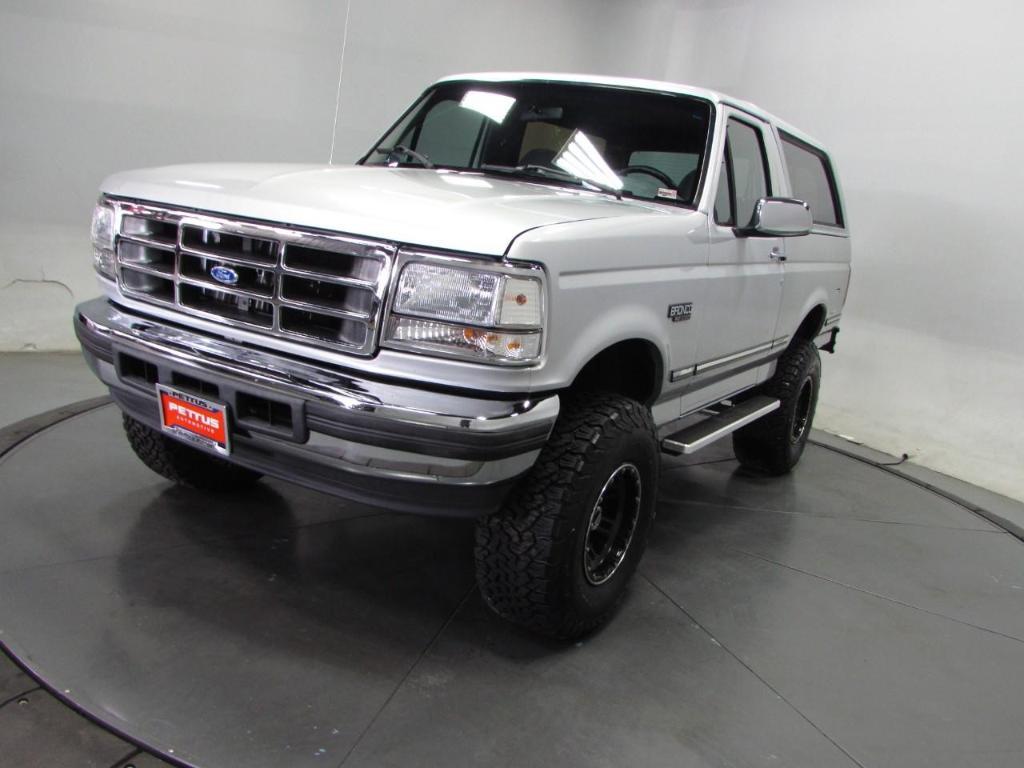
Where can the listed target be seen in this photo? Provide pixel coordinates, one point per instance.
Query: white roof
(715, 97)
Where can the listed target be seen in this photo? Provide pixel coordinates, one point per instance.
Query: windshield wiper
(543, 170)
(401, 149)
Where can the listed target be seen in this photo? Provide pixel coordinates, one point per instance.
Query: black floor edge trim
(14, 434)
(998, 520)
(11, 437)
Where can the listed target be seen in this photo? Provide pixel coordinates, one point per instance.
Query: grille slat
(324, 310)
(309, 292)
(148, 241)
(231, 305)
(151, 231)
(322, 326)
(147, 284)
(355, 283)
(307, 260)
(258, 282)
(218, 242)
(326, 289)
(158, 268)
(232, 260)
(214, 285)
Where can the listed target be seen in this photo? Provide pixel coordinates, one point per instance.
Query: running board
(693, 438)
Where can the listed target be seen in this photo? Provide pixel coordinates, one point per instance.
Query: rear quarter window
(811, 180)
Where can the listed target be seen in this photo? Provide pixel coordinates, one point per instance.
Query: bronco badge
(679, 312)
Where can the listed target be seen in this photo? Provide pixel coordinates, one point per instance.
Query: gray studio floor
(840, 616)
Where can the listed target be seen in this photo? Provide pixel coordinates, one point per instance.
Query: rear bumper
(401, 447)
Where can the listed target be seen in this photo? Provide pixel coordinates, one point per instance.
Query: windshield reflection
(628, 142)
(580, 157)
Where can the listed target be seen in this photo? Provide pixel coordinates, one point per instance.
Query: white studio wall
(920, 105)
(917, 100)
(91, 87)
(395, 49)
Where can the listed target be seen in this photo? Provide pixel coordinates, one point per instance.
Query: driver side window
(723, 198)
(743, 178)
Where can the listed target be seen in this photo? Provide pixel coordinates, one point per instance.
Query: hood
(434, 208)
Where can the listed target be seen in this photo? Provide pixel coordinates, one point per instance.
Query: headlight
(468, 296)
(481, 314)
(103, 239)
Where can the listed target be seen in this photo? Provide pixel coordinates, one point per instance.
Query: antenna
(337, 96)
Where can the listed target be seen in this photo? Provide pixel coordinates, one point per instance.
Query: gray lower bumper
(410, 449)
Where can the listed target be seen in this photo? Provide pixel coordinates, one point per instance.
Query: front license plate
(202, 422)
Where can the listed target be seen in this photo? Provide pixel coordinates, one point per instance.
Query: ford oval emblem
(223, 274)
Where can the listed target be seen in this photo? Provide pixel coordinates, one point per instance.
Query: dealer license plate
(202, 422)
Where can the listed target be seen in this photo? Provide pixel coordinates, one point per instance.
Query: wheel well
(811, 325)
(632, 368)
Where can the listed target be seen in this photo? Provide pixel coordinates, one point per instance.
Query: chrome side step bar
(701, 434)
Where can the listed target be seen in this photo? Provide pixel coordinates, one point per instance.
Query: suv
(527, 290)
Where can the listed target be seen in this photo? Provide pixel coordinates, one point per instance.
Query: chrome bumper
(438, 452)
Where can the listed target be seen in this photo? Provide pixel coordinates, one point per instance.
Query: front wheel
(775, 443)
(557, 558)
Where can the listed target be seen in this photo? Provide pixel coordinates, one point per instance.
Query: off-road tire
(530, 562)
(774, 443)
(181, 463)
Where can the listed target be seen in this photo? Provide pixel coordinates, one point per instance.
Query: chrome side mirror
(780, 217)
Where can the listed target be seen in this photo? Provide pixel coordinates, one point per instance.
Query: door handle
(777, 254)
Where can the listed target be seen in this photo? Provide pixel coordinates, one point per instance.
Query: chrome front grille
(325, 289)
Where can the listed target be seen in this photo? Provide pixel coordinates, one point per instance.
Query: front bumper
(393, 445)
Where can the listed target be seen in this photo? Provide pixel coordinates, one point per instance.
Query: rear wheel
(775, 443)
(182, 463)
(557, 558)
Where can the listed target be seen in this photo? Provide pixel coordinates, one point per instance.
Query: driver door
(744, 292)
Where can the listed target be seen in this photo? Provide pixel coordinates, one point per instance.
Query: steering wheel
(649, 171)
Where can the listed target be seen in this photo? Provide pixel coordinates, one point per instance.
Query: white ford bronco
(527, 290)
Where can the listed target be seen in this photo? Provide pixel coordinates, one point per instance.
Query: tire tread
(521, 552)
(764, 445)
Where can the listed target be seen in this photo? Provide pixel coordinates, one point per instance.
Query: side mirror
(780, 217)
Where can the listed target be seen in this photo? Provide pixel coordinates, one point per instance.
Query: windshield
(641, 144)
